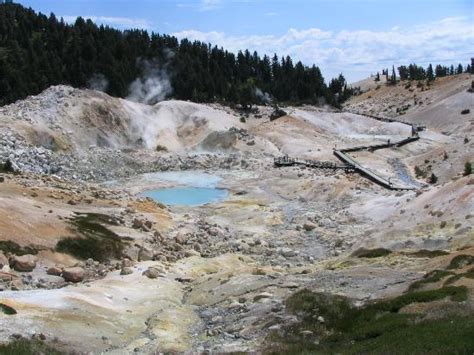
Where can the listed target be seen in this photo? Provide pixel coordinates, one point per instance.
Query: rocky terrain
(89, 265)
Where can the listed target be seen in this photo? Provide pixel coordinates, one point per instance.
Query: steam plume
(98, 82)
(264, 96)
(153, 86)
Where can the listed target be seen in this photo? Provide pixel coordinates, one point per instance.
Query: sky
(355, 37)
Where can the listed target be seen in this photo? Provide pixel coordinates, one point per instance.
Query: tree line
(417, 72)
(37, 51)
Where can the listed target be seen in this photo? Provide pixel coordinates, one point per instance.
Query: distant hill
(37, 51)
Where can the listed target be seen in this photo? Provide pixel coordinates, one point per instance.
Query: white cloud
(271, 14)
(358, 53)
(121, 22)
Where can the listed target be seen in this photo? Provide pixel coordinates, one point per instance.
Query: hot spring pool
(186, 196)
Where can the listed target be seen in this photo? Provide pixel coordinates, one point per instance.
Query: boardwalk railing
(287, 161)
(350, 164)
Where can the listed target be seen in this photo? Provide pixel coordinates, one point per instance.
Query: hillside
(189, 278)
(439, 107)
(38, 51)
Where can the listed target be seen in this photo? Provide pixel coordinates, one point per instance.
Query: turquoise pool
(186, 196)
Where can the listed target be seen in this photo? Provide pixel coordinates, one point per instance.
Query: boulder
(141, 224)
(132, 252)
(287, 252)
(126, 263)
(309, 226)
(24, 263)
(55, 271)
(145, 254)
(73, 274)
(152, 272)
(191, 252)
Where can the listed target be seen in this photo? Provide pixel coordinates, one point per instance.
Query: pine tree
(403, 72)
(429, 73)
(37, 51)
(393, 77)
(440, 71)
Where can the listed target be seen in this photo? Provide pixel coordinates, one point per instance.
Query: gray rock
(24, 263)
(126, 263)
(262, 295)
(152, 272)
(73, 274)
(287, 252)
(54, 270)
(145, 254)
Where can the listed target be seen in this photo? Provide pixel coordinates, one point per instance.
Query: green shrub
(161, 148)
(420, 173)
(431, 277)
(433, 179)
(469, 274)
(371, 253)
(27, 347)
(467, 168)
(7, 167)
(460, 261)
(8, 246)
(423, 253)
(96, 241)
(7, 309)
(332, 308)
(376, 328)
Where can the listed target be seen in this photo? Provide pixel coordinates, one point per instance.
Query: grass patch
(423, 253)
(96, 240)
(8, 246)
(332, 308)
(460, 261)
(371, 253)
(375, 328)
(27, 347)
(469, 274)
(7, 309)
(431, 277)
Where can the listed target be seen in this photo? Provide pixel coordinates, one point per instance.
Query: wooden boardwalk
(351, 165)
(315, 164)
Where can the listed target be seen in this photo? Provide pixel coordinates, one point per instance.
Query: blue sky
(357, 37)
